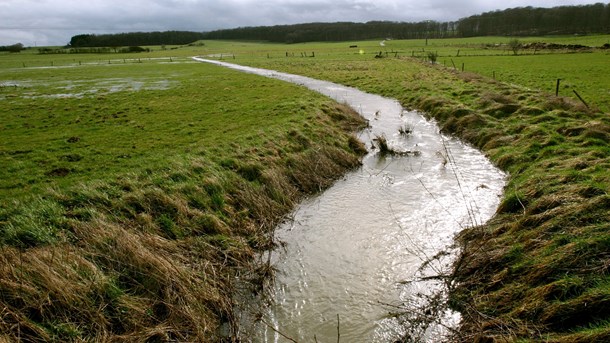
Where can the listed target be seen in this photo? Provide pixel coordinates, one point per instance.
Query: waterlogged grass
(132, 194)
(71, 125)
(539, 269)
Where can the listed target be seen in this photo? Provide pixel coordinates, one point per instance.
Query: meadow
(134, 192)
(135, 187)
(582, 71)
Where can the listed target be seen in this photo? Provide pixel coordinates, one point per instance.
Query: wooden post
(557, 87)
(581, 99)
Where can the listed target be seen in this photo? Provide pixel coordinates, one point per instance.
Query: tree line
(92, 50)
(530, 21)
(135, 39)
(521, 21)
(12, 48)
(341, 31)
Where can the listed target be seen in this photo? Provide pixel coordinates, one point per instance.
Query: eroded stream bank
(348, 250)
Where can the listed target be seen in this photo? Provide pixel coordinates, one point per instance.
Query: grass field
(64, 126)
(133, 193)
(580, 71)
(135, 187)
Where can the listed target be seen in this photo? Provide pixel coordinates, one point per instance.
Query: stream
(348, 251)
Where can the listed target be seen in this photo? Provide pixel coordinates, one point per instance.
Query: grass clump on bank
(133, 197)
(539, 269)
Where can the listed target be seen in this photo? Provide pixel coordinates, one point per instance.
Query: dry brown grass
(155, 258)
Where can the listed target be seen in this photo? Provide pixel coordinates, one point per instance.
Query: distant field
(583, 71)
(63, 125)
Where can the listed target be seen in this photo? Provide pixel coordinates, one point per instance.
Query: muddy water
(348, 250)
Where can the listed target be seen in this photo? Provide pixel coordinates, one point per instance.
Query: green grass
(65, 126)
(538, 270)
(487, 56)
(580, 72)
(133, 193)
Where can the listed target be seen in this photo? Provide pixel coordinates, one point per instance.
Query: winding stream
(348, 250)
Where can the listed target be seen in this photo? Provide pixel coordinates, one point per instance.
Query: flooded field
(81, 88)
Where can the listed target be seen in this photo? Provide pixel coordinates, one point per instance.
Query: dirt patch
(59, 172)
(555, 46)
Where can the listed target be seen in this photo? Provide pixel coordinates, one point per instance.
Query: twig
(470, 207)
(581, 99)
(338, 331)
(278, 331)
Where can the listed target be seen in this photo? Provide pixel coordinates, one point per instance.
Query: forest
(522, 21)
(135, 39)
(530, 21)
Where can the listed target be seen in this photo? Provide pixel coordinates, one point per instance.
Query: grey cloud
(53, 22)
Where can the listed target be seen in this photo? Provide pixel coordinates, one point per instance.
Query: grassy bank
(134, 193)
(539, 270)
(143, 242)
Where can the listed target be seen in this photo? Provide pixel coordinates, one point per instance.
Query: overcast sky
(54, 22)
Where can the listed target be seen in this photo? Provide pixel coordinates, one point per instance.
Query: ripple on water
(349, 249)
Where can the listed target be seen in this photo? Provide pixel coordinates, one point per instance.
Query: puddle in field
(82, 88)
(11, 83)
(45, 89)
(348, 250)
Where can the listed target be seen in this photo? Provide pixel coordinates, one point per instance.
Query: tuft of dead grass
(156, 256)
